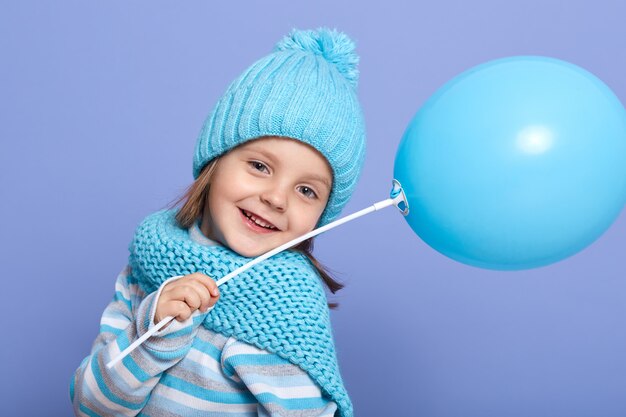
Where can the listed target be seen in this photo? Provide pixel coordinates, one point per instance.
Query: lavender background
(100, 105)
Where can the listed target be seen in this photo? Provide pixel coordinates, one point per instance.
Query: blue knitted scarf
(278, 305)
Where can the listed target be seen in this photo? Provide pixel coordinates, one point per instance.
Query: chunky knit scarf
(279, 305)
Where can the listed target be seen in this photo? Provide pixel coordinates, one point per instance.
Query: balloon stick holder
(396, 198)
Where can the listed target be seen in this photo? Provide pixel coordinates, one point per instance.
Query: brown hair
(193, 206)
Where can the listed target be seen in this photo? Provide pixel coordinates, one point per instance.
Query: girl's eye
(259, 166)
(308, 192)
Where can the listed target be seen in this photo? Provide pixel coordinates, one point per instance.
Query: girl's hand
(180, 298)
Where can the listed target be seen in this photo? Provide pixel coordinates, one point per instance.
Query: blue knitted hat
(305, 90)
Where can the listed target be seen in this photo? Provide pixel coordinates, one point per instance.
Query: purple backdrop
(101, 103)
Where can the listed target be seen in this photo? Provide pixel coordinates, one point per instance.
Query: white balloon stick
(397, 200)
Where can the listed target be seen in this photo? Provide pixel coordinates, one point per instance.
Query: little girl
(279, 155)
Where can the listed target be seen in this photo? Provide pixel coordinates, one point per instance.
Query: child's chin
(249, 252)
(252, 248)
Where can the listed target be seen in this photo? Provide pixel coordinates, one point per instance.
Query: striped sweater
(185, 369)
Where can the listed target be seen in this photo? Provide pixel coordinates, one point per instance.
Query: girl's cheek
(313, 216)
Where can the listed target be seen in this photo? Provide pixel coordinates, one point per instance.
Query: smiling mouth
(257, 221)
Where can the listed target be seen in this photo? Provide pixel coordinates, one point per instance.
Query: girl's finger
(180, 310)
(187, 293)
(204, 294)
(174, 308)
(208, 282)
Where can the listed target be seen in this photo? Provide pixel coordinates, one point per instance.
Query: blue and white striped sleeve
(125, 389)
(281, 388)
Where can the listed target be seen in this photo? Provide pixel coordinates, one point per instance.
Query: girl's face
(265, 193)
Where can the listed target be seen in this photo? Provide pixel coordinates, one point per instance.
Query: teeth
(258, 221)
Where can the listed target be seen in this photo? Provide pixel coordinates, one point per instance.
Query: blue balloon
(515, 164)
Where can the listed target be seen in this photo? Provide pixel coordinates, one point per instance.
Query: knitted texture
(305, 90)
(279, 305)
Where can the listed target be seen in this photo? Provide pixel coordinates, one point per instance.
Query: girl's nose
(275, 197)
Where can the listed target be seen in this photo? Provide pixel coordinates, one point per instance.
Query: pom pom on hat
(304, 90)
(334, 46)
